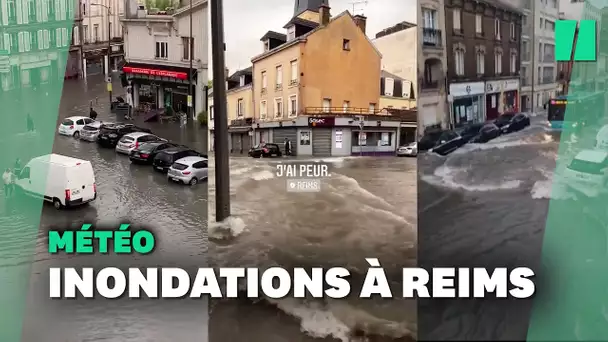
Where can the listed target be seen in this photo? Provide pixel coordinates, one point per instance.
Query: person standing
(29, 123)
(7, 179)
(287, 147)
(92, 113)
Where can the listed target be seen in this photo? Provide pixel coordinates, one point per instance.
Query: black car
(145, 153)
(265, 150)
(165, 158)
(512, 122)
(110, 135)
(429, 140)
(486, 133)
(448, 142)
(470, 131)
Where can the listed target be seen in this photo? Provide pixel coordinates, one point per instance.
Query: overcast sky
(246, 21)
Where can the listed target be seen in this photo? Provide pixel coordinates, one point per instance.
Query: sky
(246, 21)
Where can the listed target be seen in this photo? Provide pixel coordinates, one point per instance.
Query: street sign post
(189, 100)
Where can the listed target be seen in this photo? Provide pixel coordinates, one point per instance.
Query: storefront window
(147, 95)
(305, 138)
(466, 111)
(510, 101)
(372, 139)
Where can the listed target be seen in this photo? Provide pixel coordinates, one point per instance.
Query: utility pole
(190, 53)
(533, 62)
(222, 163)
(109, 53)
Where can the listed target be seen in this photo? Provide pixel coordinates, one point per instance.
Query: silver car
(90, 132)
(188, 170)
(410, 150)
(131, 141)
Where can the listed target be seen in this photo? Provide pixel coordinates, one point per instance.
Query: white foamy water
(446, 176)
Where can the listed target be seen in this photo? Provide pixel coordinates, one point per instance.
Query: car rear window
(126, 139)
(165, 157)
(587, 166)
(89, 128)
(108, 130)
(179, 166)
(67, 122)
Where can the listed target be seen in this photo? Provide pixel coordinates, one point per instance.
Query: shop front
(493, 104)
(279, 135)
(241, 136)
(322, 131)
(510, 90)
(467, 101)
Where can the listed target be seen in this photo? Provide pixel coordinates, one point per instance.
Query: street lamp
(190, 53)
(108, 74)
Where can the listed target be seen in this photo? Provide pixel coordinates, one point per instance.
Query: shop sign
(466, 89)
(156, 72)
(493, 87)
(321, 122)
(510, 85)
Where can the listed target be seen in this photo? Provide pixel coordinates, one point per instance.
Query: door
(321, 142)
(279, 135)
(235, 141)
(79, 124)
(200, 169)
(81, 182)
(491, 106)
(246, 140)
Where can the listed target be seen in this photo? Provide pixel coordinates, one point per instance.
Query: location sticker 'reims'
(303, 176)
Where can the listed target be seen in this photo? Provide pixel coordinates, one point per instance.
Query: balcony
(429, 85)
(548, 58)
(341, 111)
(278, 87)
(431, 37)
(546, 80)
(293, 83)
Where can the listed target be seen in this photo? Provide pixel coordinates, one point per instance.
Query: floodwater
(366, 208)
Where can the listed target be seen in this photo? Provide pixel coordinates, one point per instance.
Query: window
(241, 80)
(513, 63)
(187, 45)
(326, 105)
(263, 109)
(372, 108)
(498, 63)
(429, 18)
(291, 32)
(345, 106)
(481, 61)
(110, 29)
(31, 9)
(478, 24)
(550, 26)
(294, 73)
(12, 11)
(459, 62)
(497, 29)
(266, 45)
(292, 106)
(211, 112)
(240, 108)
(345, 44)
(389, 86)
(162, 50)
(264, 80)
(95, 33)
(512, 30)
(278, 108)
(279, 79)
(456, 19)
(86, 33)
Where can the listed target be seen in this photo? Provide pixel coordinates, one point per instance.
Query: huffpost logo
(584, 44)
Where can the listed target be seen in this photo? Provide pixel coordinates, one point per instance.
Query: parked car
(73, 125)
(61, 180)
(109, 136)
(146, 152)
(512, 122)
(410, 150)
(429, 140)
(131, 141)
(265, 150)
(448, 142)
(486, 133)
(165, 158)
(90, 132)
(588, 172)
(470, 131)
(188, 170)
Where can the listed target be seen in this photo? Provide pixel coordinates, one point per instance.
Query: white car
(410, 150)
(588, 172)
(189, 170)
(131, 141)
(90, 131)
(73, 125)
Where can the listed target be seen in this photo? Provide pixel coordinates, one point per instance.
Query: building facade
(304, 89)
(483, 48)
(239, 101)
(399, 62)
(396, 92)
(538, 65)
(432, 65)
(157, 54)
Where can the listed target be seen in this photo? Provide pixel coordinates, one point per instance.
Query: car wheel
(76, 135)
(193, 181)
(57, 204)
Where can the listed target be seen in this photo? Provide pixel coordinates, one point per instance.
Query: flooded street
(367, 208)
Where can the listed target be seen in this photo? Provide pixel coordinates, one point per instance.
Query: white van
(601, 139)
(588, 172)
(64, 181)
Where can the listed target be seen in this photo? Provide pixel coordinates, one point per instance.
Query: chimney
(324, 15)
(360, 21)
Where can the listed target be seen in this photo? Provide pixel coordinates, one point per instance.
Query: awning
(241, 129)
(158, 72)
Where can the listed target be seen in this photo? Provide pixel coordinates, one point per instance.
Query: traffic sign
(109, 87)
(189, 100)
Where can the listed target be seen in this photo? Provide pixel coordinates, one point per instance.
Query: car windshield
(505, 118)
(147, 147)
(108, 130)
(89, 128)
(585, 166)
(67, 122)
(413, 144)
(179, 166)
(126, 139)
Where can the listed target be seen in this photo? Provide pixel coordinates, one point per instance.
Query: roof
(308, 5)
(75, 117)
(402, 26)
(186, 9)
(242, 72)
(190, 160)
(274, 35)
(503, 4)
(303, 37)
(387, 74)
(592, 156)
(59, 159)
(300, 21)
(137, 134)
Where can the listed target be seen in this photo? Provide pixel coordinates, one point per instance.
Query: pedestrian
(287, 147)
(29, 123)
(17, 167)
(92, 113)
(7, 179)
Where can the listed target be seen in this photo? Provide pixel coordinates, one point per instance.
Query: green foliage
(202, 118)
(160, 4)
